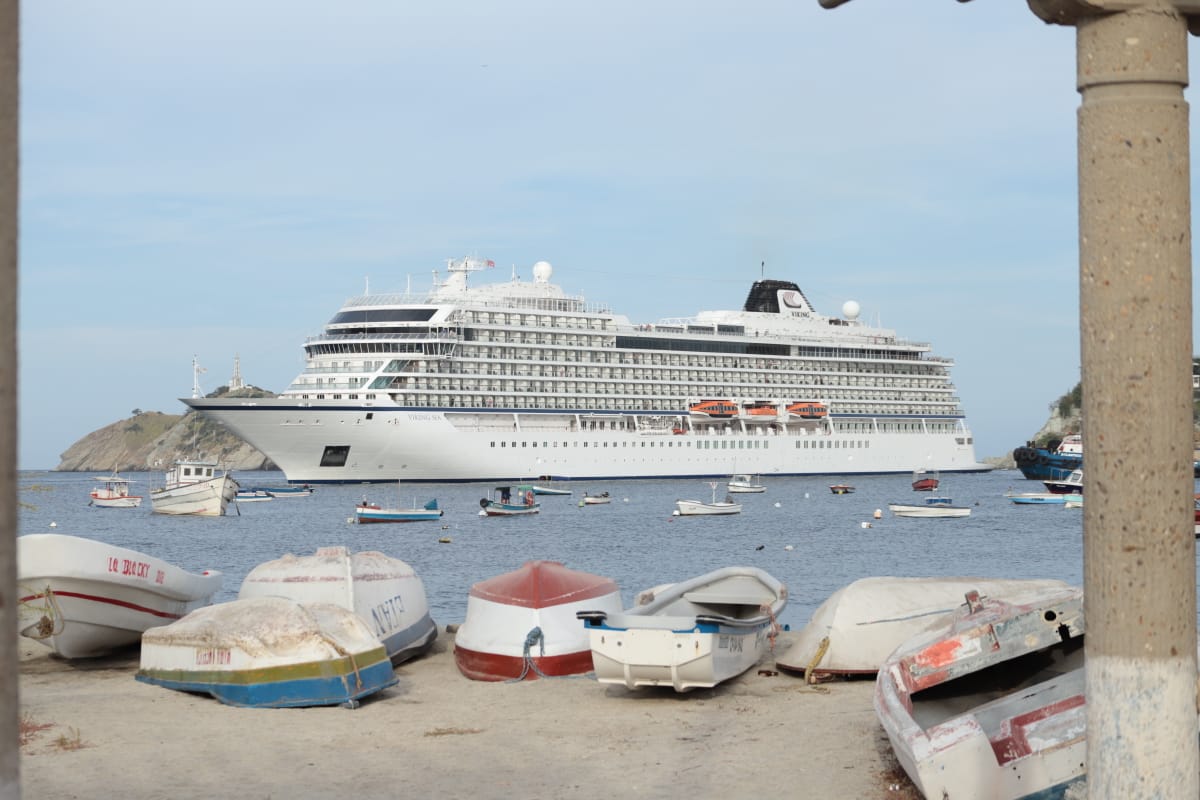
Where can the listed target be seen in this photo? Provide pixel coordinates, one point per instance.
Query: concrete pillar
(10, 755)
(1135, 291)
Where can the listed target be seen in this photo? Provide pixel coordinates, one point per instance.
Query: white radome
(850, 309)
(542, 271)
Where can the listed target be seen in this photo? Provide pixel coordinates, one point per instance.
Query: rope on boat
(809, 676)
(534, 636)
(52, 621)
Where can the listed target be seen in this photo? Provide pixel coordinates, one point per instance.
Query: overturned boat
(386, 592)
(268, 652)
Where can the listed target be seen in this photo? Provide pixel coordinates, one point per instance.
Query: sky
(213, 180)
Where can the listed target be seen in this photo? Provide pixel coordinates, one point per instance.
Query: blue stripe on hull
(1058, 792)
(325, 690)
(403, 645)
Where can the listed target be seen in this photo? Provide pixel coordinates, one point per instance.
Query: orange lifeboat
(808, 410)
(761, 412)
(718, 409)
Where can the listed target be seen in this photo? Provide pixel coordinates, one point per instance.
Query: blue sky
(215, 178)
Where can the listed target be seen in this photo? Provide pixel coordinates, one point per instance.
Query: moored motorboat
(542, 488)
(841, 488)
(522, 624)
(386, 592)
(745, 484)
(1072, 484)
(114, 492)
(932, 507)
(252, 495)
(268, 652)
(1054, 462)
(924, 482)
(857, 627)
(688, 635)
(504, 503)
(194, 487)
(698, 508)
(601, 499)
(286, 491)
(85, 598)
(366, 513)
(990, 705)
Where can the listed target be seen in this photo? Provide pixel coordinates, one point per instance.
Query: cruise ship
(513, 380)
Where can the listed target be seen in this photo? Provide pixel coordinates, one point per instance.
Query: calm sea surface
(812, 540)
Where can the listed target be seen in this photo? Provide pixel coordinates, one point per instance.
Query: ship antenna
(196, 370)
(762, 268)
(366, 284)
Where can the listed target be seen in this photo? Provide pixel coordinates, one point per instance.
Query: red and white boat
(924, 482)
(522, 624)
(114, 492)
(85, 598)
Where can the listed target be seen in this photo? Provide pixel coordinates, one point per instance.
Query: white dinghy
(860, 624)
(85, 598)
(384, 591)
(689, 635)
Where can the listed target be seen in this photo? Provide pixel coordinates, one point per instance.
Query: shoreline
(89, 729)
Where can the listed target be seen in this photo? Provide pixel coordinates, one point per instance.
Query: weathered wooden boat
(195, 488)
(862, 623)
(504, 504)
(688, 635)
(84, 598)
(522, 624)
(991, 705)
(932, 507)
(113, 492)
(268, 652)
(386, 592)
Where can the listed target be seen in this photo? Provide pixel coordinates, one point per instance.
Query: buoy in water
(789, 547)
(878, 514)
(866, 524)
(760, 547)
(444, 540)
(778, 504)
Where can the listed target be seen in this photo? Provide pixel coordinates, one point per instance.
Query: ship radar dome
(850, 310)
(542, 271)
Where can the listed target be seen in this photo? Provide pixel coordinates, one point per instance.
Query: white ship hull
(387, 445)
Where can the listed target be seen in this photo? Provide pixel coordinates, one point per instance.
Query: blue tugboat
(1054, 462)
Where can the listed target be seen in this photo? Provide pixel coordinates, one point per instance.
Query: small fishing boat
(1038, 498)
(688, 635)
(1072, 484)
(595, 499)
(745, 484)
(991, 704)
(268, 652)
(196, 488)
(841, 488)
(549, 490)
(503, 503)
(367, 512)
(862, 623)
(522, 624)
(84, 598)
(286, 491)
(386, 592)
(113, 492)
(932, 507)
(697, 508)
(923, 482)
(252, 495)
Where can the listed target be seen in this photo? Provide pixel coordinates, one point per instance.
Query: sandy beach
(91, 731)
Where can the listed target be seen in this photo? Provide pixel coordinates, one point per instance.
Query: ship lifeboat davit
(522, 624)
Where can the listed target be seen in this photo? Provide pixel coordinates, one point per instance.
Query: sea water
(797, 530)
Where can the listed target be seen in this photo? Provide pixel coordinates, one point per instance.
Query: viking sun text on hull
(513, 380)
